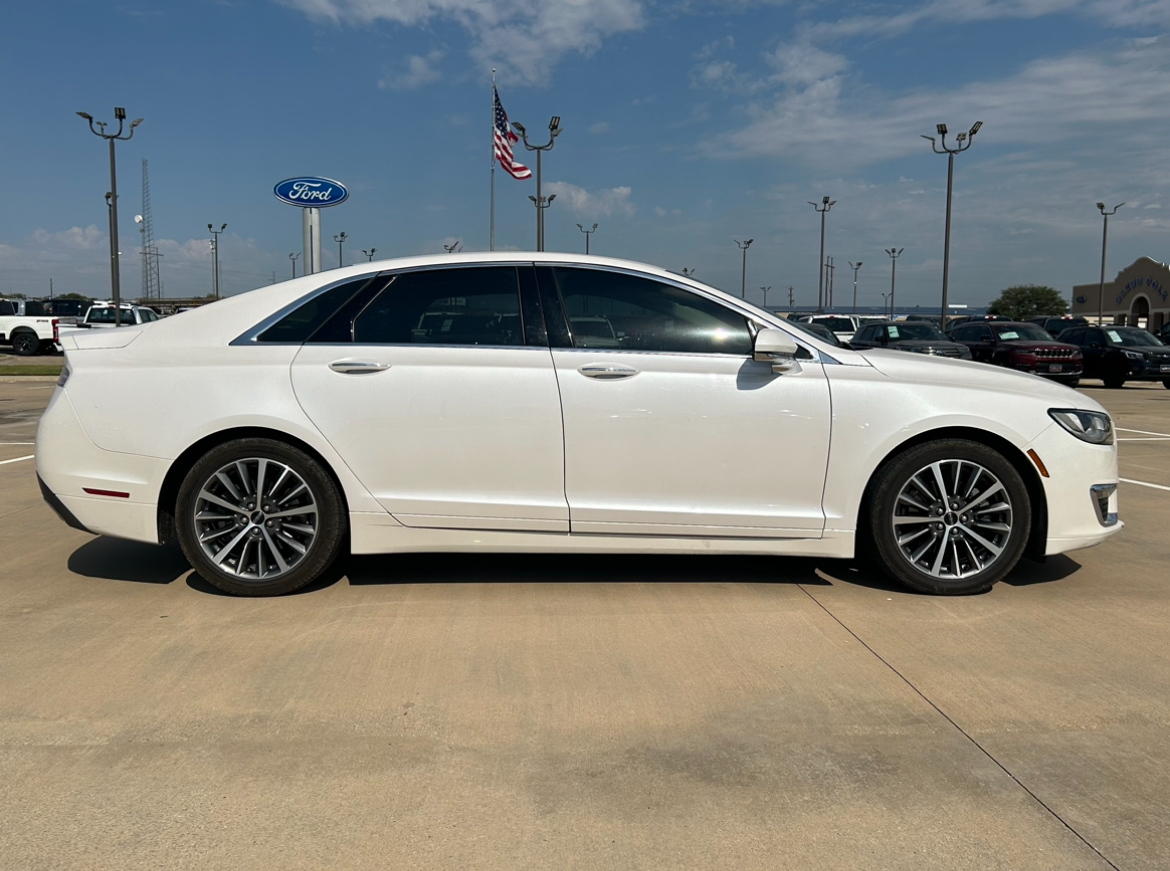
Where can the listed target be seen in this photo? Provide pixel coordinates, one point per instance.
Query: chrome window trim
(249, 337)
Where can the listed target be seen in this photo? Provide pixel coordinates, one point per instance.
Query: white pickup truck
(25, 325)
(101, 316)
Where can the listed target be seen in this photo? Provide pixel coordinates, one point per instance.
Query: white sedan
(450, 404)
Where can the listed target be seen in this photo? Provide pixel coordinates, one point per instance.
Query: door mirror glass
(771, 345)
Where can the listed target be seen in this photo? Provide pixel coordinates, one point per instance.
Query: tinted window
(298, 325)
(34, 309)
(915, 330)
(648, 315)
(7, 308)
(837, 325)
(474, 306)
(1073, 336)
(1021, 332)
(105, 315)
(866, 334)
(1131, 337)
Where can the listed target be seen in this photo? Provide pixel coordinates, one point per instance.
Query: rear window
(301, 323)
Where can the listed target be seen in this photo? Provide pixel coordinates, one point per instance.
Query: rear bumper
(69, 464)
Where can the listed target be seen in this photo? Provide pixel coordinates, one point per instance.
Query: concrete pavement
(533, 712)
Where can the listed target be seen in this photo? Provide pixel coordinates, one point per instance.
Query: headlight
(1134, 355)
(1089, 426)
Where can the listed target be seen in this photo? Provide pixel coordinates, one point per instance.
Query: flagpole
(492, 232)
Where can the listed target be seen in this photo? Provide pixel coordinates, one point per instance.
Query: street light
(765, 290)
(587, 233)
(369, 254)
(541, 203)
(1104, 242)
(340, 240)
(963, 141)
(293, 258)
(855, 266)
(743, 278)
(689, 273)
(453, 247)
(894, 253)
(215, 256)
(823, 208)
(98, 128)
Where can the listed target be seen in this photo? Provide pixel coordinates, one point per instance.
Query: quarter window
(473, 306)
(297, 326)
(618, 311)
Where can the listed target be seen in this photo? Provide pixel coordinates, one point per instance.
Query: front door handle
(357, 367)
(607, 371)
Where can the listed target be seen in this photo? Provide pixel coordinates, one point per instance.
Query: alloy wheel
(256, 518)
(952, 519)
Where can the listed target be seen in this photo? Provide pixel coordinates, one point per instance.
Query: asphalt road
(520, 712)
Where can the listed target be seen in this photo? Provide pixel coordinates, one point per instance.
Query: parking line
(30, 456)
(1144, 432)
(1158, 439)
(13, 444)
(1144, 484)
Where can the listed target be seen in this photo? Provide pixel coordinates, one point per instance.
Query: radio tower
(151, 286)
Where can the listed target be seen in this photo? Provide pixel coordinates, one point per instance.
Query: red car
(1025, 347)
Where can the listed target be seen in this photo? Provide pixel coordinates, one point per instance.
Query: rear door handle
(607, 371)
(357, 367)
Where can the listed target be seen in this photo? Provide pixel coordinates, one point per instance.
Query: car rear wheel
(26, 344)
(1114, 377)
(257, 517)
(949, 517)
(1166, 383)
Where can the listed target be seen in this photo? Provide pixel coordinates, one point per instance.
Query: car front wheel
(257, 517)
(25, 344)
(949, 517)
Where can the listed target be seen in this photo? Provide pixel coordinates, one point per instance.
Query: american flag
(503, 138)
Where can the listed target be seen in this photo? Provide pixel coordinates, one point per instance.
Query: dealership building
(1138, 297)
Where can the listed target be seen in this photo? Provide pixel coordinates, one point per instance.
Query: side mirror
(775, 347)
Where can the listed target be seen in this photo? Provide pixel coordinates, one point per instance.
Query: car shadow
(115, 559)
(518, 568)
(1054, 568)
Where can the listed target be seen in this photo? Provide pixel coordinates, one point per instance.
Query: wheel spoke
(903, 497)
(222, 503)
(229, 486)
(995, 549)
(263, 467)
(903, 519)
(217, 533)
(910, 536)
(276, 555)
(984, 496)
(244, 477)
(229, 547)
(936, 569)
(936, 469)
(311, 508)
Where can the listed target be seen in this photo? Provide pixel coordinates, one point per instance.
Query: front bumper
(1077, 516)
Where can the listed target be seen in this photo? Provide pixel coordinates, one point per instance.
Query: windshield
(915, 330)
(105, 315)
(1021, 332)
(837, 325)
(1131, 337)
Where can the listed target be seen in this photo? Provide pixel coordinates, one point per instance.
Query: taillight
(56, 337)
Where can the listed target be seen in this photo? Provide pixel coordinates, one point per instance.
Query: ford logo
(310, 192)
(1081, 300)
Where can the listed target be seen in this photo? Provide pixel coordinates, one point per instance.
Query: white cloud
(420, 70)
(523, 38)
(599, 128)
(591, 205)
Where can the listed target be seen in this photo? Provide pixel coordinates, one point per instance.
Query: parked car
(820, 331)
(914, 336)
(67, 311)
(1054, 326)
(309, 414)
(1023, 347)
(1120, 354)
(842, 326)
(26, 327)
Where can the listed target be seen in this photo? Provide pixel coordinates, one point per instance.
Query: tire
(985, 547)
(25, 344)
(248, 551)
(1114, 377)
(1073, 383)
(1166, 383)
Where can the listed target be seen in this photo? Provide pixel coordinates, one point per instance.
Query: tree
(1028, 300)
(71, 296)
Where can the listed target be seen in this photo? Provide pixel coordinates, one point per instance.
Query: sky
(687, 125)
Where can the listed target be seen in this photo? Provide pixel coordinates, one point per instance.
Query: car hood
(1157, 353)
(928, 343)
(1037, 344)
(924, 369)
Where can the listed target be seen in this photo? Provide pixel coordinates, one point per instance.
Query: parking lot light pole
(369, 254)
(340, 240)
(689, 273)
(765, 290)
(98, 128)
(541, 202)
(293, 258)
(823, 208)
(587, 233)
(743, 277)
(1104, 243)
(894, 253)
(215, 256)
(855, 266)
(453, 247)
(963, 142)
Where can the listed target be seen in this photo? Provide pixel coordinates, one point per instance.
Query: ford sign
(310, 192)
(1081, 300)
